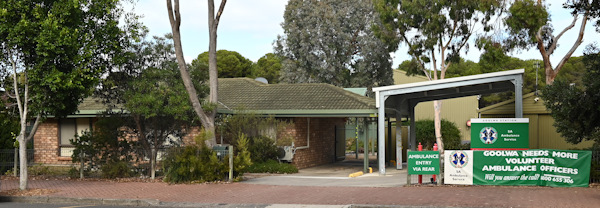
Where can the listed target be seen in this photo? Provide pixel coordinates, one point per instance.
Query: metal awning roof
(403, 98)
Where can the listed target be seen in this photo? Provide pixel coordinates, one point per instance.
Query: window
(70, 127)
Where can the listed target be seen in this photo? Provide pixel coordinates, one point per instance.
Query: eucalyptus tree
(205, 112)
(529, 25)
(331, 41)
(436, 32)
(574, 107)
(55, 52)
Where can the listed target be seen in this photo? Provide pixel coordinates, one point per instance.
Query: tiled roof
(248, 94)
(312, 99)
(91, 103)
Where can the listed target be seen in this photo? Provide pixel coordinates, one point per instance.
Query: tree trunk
(213, 24)
(437, 105)
(206, 118)
(153, 153)
(22, 160)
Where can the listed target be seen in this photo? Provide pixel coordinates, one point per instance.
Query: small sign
(500, 133)
(458, 167)
(423, 162)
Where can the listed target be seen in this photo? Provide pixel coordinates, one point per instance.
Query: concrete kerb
(150, 203)
(70, 200)
(157, 203)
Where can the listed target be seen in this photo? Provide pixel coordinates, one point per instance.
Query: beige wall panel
(458, 110)
(550, 139)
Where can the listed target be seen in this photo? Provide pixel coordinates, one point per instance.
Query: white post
(381, 134)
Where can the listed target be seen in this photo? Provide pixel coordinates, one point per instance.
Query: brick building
(316, 111)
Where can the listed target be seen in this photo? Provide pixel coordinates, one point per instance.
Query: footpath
(245, 194)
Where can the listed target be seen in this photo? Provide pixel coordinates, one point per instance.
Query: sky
(251, 27)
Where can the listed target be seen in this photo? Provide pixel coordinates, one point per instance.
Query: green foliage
(104, 146)
(149, 86)
(201, 164)
(262, 148)
(524, 20)
(38, 170)
(231, 64)
(116, 169)
(63, 47)
(60, 49)
(427, 27)
(411, 67)
(242, 159)
(426, 134)
(575, 107)
(351, 145)
(253, 126)
(269, 67)
(332, 42)
(272, 166)
(74, 172)
(9, 128)
(463, 68)
(193, 164)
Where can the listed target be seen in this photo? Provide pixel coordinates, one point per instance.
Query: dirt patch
(28, 192)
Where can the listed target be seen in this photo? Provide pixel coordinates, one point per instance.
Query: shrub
(193, 163)
(74, 172)
(104, 147)
(426, 134)
(272, 166)
(351, 145)
(38, 170)
(262, 149)
(116, 169)
(242, 160)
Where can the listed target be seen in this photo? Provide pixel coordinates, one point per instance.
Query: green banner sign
(423, 162)
(541, 167)
(499, 133)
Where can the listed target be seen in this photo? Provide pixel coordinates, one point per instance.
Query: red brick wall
(321, 150)
(322, 141)
(190, 137)
(45, 143)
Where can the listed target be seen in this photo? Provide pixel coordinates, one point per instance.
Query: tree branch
(434, 63)
(419, 61)
(574, 47)
(15, 83)
(451, 35)
(553, 46)
(36, 124)
(185, 76)
(174, 17)
(219, 13)
(542, 49)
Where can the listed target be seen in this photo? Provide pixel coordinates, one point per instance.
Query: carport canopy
(402, 99)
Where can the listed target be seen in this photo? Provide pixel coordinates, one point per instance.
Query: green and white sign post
(499, 133)
(423, 163)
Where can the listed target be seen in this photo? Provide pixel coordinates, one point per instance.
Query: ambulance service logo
(488, 135)
(459, 159)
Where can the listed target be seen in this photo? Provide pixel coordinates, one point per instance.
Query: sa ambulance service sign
(499, 133)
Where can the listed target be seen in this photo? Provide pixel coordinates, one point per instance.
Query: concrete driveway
(335, 174)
